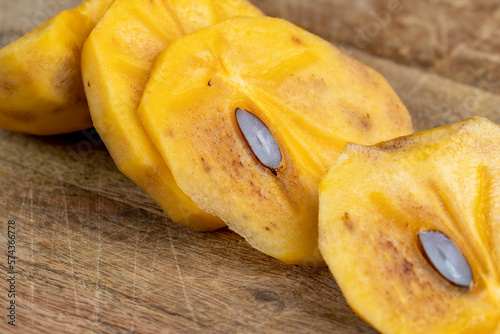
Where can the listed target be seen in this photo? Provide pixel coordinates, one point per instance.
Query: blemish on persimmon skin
(7, 87)
(347, 222)
(366, 121)
(297, 40)
(390, 245)
(393, 145)
(206, 168)
(407, 267)
(271, 226)
(22, 117)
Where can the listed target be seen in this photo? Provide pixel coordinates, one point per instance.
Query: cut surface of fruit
(410, 228)
(41, 90)
(116, 62)
(310, 97)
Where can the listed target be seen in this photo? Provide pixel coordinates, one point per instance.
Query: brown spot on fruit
(6, 86)
(366, 121)
(65, 78)
(58, 110)
(359, 120)
(390, 245)
(206, 168)
(407, 267)
(23, 117)
(296, 40)
(393, 145)
(347, 222)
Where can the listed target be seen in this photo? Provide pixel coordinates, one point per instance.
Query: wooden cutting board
(96, 255)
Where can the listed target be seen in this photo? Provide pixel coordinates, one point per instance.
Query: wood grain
(96, 261)
(95, 255)
(456, 39)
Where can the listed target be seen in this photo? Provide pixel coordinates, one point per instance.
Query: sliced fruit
(41, 90)
(116, 62)
(410, 228)
(200, 108)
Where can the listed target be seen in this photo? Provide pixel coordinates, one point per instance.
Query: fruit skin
(311, 96)
(116, 62)
(41, 90)
(375, 200)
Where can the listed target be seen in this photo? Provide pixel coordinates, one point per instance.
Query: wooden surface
(95, 255)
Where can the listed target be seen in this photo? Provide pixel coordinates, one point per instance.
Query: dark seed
(446, 258)
(259, 138)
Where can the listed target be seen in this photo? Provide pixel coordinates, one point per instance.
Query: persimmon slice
(310, 96)
(410, 228)
(116, 63)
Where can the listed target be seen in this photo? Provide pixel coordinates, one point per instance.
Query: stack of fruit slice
(223, 116)
(306, 96)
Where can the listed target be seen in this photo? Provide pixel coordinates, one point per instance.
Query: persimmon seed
(445, 257)
(259, 138)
